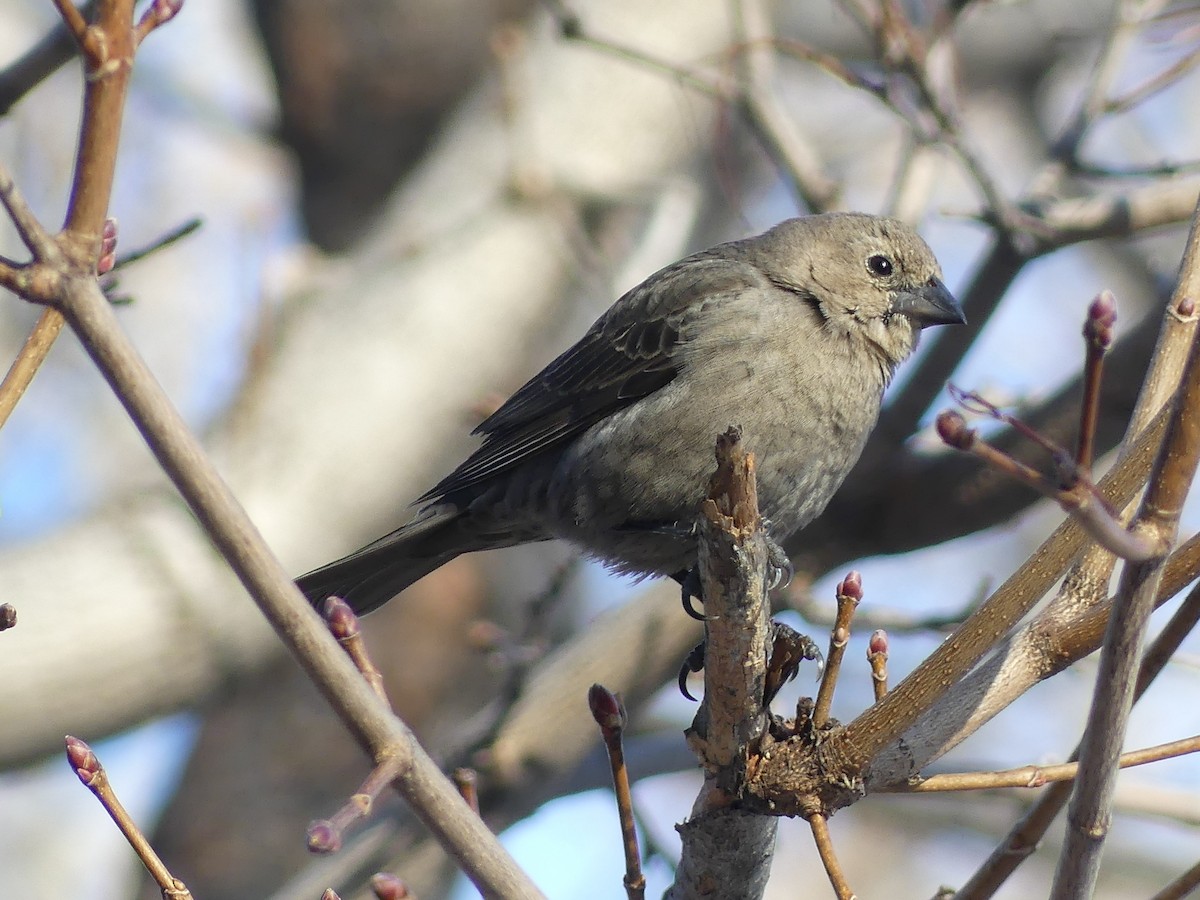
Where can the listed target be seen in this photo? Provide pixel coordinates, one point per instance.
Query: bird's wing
(626, 355)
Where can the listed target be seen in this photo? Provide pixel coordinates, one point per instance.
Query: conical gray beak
(930, 304)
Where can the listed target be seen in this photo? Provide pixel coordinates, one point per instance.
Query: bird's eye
(879, 265)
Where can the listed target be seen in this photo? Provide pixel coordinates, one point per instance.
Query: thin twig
(33, 353)
(36, 238)
(39, 62)
(343, 625)
(609, 713)
(1079, 497)
(1152, 85)
(837, 878)
(877, 657)
(849, 594)
(1182, 886)
(1026, 834)
(1171, 477)
(792, 153)
(178, 233)
(89, 770)
(76, 24)
(1037, 776)
(1097, 336)
(327, 835)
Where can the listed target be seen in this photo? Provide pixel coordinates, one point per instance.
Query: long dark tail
(370, 577)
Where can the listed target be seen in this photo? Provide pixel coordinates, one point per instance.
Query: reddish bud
(388, 887)
(164, 10)
(851, 586)
(331, 894)
(1101, 316)
(108, 247)
(83, 760)
(952, 429)
(1186, 307)
(340, 618)
(606, 707)
(323, 837)
(878, 642)
(8, 616)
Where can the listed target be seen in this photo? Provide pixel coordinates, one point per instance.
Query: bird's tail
(370, 577)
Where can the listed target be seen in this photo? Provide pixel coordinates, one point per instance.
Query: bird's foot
(780, 570)
(789, 648)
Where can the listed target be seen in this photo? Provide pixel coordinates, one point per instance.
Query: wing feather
(627, 354)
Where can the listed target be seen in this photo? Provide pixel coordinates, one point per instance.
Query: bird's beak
(930, 304)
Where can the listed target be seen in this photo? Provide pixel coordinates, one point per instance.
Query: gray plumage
(791, 335)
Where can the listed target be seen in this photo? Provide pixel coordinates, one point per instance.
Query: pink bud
(851, 586)
(952, 429)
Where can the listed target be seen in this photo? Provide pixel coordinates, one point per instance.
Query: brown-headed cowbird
(791, 335)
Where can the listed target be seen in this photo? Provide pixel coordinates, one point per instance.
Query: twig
(178, 233)
(1120, 39)
(837, 878)
(76, 24)
(1158, 517)
(882, 724)
(327, 835)
(849, 595)
(1079, 498)
(792, 153)
(87, 767)
(36, 238)
(572, 29)
(609, 713)
(877, 657)
(343, 625)
(1038, 776)
(365, 715)
(1027, 833)
(1152, 85)
(29, 360)
(1182, 886)
(40, 61)
(1097, 336)
(159, 12)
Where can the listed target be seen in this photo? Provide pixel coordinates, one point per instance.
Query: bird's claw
(689, 582)
(692, 663)
(780, 568)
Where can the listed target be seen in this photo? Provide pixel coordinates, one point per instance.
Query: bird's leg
(689, 579)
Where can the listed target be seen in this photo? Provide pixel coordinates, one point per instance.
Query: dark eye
(879, 265)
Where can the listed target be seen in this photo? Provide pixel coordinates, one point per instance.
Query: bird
(791, 335)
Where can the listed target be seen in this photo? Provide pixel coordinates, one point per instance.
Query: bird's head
(873, 279)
